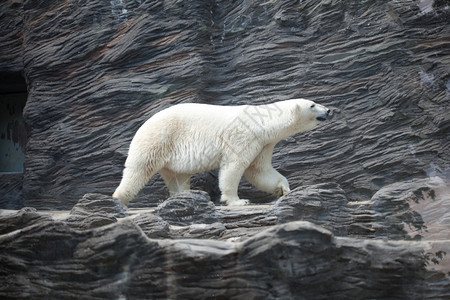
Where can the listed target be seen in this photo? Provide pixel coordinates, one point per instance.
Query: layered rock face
(97, 70)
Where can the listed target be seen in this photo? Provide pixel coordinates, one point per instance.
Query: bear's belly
(193, 159)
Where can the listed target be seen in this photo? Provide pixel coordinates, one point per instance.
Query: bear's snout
(323, 117)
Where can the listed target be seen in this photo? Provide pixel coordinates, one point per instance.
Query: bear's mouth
(323, 117)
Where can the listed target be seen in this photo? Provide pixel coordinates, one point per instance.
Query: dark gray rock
(188, 207)
(394, 212)
(93, 203)
(25, 217)
(152, 225)
(90, 221)
(199, 231)
(142, 256)
(95, 210)
(247, 217)
(96, 70)
(11, 191)
(292, 260)
(324, 204)
(11, 36)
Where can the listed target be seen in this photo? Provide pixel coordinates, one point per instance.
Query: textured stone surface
(324, 204)
(95, 210)
(99, 204)
(11, 36)
(242, 255)
(187, 208)
(296, 259)
(152, 225)
(96, 70)
(25, 217)
(11, 191)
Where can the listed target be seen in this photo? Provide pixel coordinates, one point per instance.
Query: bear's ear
(295, 113)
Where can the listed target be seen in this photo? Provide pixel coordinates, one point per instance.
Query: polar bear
(239, 140)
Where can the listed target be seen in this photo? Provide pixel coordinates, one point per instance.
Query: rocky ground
(311, 243)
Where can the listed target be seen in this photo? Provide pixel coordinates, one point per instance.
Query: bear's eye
(313, 105)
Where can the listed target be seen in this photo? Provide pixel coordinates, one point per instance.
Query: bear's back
(201, 113)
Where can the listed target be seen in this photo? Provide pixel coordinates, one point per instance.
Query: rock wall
(11, 36)
(96, 70)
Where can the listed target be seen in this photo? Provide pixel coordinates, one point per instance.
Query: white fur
(190, 138)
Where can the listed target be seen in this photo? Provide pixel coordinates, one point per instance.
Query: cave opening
(13, 137)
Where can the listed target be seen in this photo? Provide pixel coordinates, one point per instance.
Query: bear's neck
(277, 128)
(273, 122)
(278, 132)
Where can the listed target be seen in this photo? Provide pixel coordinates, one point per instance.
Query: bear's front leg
(268, 180)
(282, 187)
(229, 177)
(264, 177)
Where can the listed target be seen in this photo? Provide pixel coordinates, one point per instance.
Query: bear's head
(309, 114)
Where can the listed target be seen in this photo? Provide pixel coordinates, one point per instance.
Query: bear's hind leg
(133, 180)
(175, 182)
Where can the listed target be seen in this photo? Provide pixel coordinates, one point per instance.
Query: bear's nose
(328, 112)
